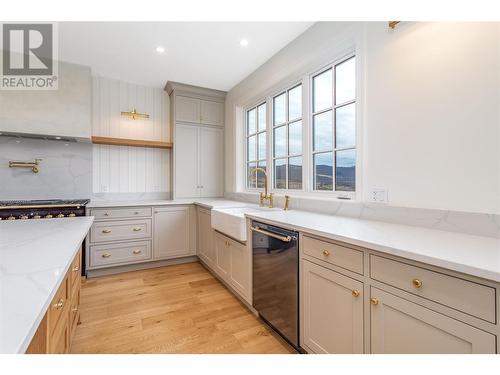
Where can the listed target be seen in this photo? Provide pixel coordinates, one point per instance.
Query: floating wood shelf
(130, 142)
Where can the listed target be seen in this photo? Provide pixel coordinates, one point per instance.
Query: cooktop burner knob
(49, 216)
(72, 214)
(23, 217)
(36, 216)
(61, 215)
(11, 218)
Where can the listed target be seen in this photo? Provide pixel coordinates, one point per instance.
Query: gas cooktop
(43, 203)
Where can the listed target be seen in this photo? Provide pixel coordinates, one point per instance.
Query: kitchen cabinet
(223, 256)
(199, 111)
(333, 311)
(399, 326)
(198, 161)
(171, 232)
(206, 245)
(233, 264)
(57, 328)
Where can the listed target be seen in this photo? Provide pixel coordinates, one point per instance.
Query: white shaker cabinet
(223, 256)
(171, 232)
(399, 326)
(198, 161)
(333, 311)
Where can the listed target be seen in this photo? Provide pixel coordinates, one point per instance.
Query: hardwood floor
(174, 309)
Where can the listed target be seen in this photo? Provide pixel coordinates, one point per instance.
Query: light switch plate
(378, 195)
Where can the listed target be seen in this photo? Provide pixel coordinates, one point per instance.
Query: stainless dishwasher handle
(271, 234)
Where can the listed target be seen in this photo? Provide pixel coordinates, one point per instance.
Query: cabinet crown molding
(185, 89)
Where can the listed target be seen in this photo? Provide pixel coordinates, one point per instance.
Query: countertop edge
(437, 262)
(25, 344)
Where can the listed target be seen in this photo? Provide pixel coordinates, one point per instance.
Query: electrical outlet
(378, 195)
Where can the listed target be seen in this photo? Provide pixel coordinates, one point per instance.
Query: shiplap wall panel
(124, 169)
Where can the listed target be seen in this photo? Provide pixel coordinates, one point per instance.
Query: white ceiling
(204, 54)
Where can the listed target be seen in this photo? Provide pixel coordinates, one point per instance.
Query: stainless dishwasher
(275, 253)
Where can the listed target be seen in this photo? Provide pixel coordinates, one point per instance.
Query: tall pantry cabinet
(198, 135)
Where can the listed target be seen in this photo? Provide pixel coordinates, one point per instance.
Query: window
(256, 145)
(334, 127)
(287, 139)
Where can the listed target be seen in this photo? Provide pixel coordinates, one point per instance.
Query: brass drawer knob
(326, 253)
(75, 269)
(106, 255)
(59, 305)
(136, 213)
(137, 229)
(355, 293)
(106, 231)
(374, 301)
(106, 214)
(137, 251)
(74, 309)
(417, 283)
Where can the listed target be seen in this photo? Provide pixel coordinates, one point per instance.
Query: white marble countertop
(206, 202)
(34, 258)
(473, 255)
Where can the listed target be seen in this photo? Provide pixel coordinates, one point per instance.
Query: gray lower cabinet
(332, 311)
(206, 245)
(399, 326)
(171, 232)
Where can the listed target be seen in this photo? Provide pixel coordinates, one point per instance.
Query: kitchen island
(35, 256)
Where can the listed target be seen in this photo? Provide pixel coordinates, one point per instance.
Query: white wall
(430, 95)
(123, 169)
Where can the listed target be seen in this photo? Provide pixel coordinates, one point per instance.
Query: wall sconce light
(134, 114)
(392, 24)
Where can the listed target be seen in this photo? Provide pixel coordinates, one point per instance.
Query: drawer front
(120, 213)
(75, 271)
(341, 256)
(74, 314)
(59, 306)
(466, 296)
(114, 254)
(120, 230)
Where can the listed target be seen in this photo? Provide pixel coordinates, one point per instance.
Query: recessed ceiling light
(243, 42)
(160, 49)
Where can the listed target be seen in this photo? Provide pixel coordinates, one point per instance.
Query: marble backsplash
(454, 221)
(65, 169)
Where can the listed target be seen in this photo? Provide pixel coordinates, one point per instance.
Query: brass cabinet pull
(417, 283)
(326, 253)
(74, 309)
(106, 231)
(355, 293)
(136, 213)
(106, 255)
(137, 229)
(59, 305)
(106, 214)
(374, 301)
(137, 251)
(76, 269)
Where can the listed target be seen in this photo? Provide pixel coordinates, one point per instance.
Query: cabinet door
(241, 269)
(223, 256)
(399, 326)
(187, 109)
(186, 161)
(211, 151)
(333, 311)
(206, 246)
(212, 113)
(171, 232)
